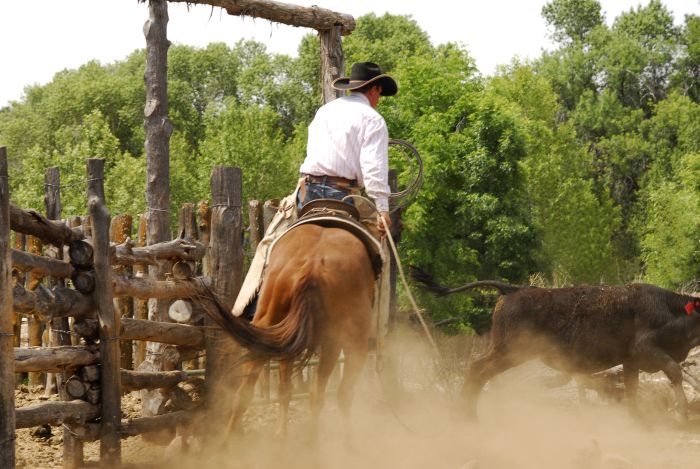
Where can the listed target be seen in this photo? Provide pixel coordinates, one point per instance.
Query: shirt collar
(358, 95)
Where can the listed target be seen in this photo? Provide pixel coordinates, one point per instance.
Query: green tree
(249, 137)
(572, 20)
(670, 244)
(574, 223)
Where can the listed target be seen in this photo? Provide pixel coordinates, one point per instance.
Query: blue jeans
(322, 191)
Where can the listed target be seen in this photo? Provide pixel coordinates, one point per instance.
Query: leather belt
(333, 181)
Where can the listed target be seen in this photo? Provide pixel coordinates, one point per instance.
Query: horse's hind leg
(355, 358)
(327, 360)
(284, 395)
(244, 394)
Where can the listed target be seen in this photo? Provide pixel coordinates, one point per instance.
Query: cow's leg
(675, 374)
(630, 375)
(581, 388)
(482, 370)
(317, 396)
(655, 358)
(244, 394)
(284, 395)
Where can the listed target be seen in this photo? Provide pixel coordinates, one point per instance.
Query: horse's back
(331, 248)
(335, 260)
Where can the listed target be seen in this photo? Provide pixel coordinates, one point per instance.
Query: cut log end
(180, 311)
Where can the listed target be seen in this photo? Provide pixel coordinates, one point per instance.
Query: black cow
(586, 329)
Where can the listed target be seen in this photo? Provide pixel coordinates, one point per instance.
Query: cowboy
(347, 150)
(348, 143)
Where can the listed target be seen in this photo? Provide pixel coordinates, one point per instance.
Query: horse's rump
(318, 280)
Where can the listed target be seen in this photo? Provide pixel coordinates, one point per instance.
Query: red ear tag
(689, 308)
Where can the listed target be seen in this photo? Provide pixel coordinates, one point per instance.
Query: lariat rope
(395, 252)
(387, 235)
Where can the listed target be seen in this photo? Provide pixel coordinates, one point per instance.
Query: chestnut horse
(316, 294)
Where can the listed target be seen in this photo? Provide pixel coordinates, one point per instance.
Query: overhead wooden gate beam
(313, 17)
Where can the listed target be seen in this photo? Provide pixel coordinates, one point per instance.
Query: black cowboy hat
(364, 73)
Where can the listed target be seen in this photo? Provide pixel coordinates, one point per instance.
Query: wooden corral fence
(97, 325)
(89, 372)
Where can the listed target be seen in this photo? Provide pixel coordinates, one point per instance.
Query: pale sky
(42, 37)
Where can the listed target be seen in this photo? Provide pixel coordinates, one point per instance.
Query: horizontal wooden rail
(163, 332)
(47, 304)
(141, 287)
(133, 380)
(35, 224)
(55, 413)
(140, 425)
(40, 265)
(176, 249)
(52, 359)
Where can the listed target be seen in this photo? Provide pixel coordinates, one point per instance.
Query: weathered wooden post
(332, 61)
(119, 231)
(60, 329)
(110, 385)
(256, 224)
(7, 359)
(189, 231)
(35, 328)
(256, 228)
(395, 230)
(140, 305)
(156, 123)
(20, 243)
(204, 225)
(158, 129)
(226, 270)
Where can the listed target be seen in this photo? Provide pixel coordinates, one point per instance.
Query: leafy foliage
(580, 166)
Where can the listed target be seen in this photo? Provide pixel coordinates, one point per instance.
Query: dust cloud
(522, 424)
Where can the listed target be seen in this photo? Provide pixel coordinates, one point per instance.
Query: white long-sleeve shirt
(349, 139)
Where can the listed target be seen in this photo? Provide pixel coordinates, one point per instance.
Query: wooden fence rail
(92, 378)
(92, 382)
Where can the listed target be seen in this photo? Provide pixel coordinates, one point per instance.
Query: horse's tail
(292, 337)
(427, 282)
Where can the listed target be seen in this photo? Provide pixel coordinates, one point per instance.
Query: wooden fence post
(189, 231)
(60, 329)
(158, 129)
(119, 231)
(226, 271)
(332, 61)
(35, 328)
(20, 243)
(256, 224)
(7, 360)
(110, 385)
(389, 358)
(256, 228)
(140, 305)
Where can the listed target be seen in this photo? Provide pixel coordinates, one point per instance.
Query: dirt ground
(523, 424)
